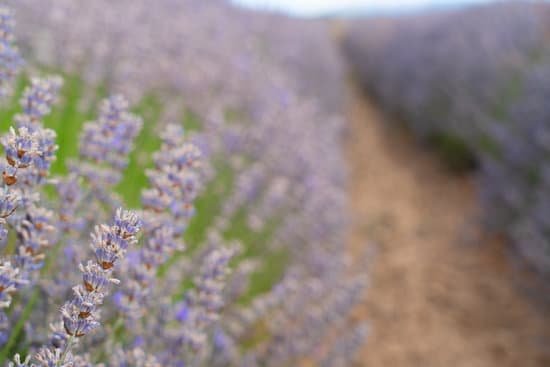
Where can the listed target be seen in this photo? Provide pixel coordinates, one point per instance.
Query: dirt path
(440, 295)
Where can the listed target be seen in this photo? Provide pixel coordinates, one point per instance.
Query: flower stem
(66, 350)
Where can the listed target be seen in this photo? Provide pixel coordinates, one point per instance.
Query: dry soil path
(440, 294)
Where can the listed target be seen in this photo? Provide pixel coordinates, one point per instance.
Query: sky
(322, 7)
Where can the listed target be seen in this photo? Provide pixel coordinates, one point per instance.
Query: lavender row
(473, 80)
(143, 295)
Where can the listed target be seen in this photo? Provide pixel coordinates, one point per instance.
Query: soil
(442, 293)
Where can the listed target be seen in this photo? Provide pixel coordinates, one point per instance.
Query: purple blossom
(10, 59)
(175, 183)
(206, 300)
(80, 314)
(10, 280)
(109, 139)
(37, 101)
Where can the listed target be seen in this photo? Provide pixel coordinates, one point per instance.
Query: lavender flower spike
(175, 183)
(204, 303)
(9, 281)
(10, 59)
(20, 147)
(104, 148)
(110, 138)
(37, 101)
(9, 201)
(80, 314)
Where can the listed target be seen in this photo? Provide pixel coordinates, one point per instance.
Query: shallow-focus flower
(37, 101)
(80, 314)
(10, 58)
(10, 280)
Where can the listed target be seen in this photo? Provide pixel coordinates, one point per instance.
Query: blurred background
(402, 147)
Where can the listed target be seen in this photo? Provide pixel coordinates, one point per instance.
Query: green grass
(453, 150)
(147, 142)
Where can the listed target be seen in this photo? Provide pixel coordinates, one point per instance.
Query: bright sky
(318, 7)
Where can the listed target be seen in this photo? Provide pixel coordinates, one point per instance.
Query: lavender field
(189, 183)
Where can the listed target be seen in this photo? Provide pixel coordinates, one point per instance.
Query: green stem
(27, 311)
(18, 328)
(66, 350)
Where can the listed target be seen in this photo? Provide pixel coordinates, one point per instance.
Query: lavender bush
(474, 83)
(234, 253)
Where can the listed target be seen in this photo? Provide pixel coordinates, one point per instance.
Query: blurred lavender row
(474, 83)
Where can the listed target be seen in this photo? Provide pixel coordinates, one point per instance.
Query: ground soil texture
(441, 292)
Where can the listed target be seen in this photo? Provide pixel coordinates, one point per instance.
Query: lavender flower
(10, 59)
(109, 140)
(204, 303)
(104, 148)
(37, 101)
(70, 190)
(35, 232)
(86, 193)
(300, 178)
(175, 183)
(135, 357)
(29, 151)
(225, 350)
(80, 315)
(344, 351)
(21, 147)
(9, 201)
(10, 280)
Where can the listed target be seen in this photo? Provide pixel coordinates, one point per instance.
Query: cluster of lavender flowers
(80, 314)
(261, 105)
(475, 78)
(168, 207)
(261, 96)
(29, 152)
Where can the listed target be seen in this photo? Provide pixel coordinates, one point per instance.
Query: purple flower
(10, 59)
(80, 314)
